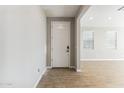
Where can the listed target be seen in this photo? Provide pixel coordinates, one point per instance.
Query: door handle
(67, 49)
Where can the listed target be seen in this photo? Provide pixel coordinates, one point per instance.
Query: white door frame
(52, 42)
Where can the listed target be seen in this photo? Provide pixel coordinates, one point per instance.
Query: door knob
(67, 47)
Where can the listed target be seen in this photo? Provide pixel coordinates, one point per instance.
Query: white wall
(100, 51)
(104, 18)
(23, 45)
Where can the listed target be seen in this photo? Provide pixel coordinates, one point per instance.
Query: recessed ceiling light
(90, 18)
(109, 18)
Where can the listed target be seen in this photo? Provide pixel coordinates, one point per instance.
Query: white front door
(60, 46)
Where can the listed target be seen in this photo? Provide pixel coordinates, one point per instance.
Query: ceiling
(103, 15)
(61, 10)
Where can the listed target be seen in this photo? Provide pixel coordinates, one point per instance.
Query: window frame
(115, 40)
(91, 48)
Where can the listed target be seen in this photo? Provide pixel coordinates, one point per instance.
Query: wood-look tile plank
(94, 75)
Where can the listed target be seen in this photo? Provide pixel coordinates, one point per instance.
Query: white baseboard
(41, 75)
(72, 67)
(102, 60)
(49, 67)
(78, 70)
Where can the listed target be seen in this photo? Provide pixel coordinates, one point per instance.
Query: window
(111, 39)
(88, 39)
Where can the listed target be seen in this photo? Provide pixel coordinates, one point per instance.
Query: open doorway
(101, 45)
